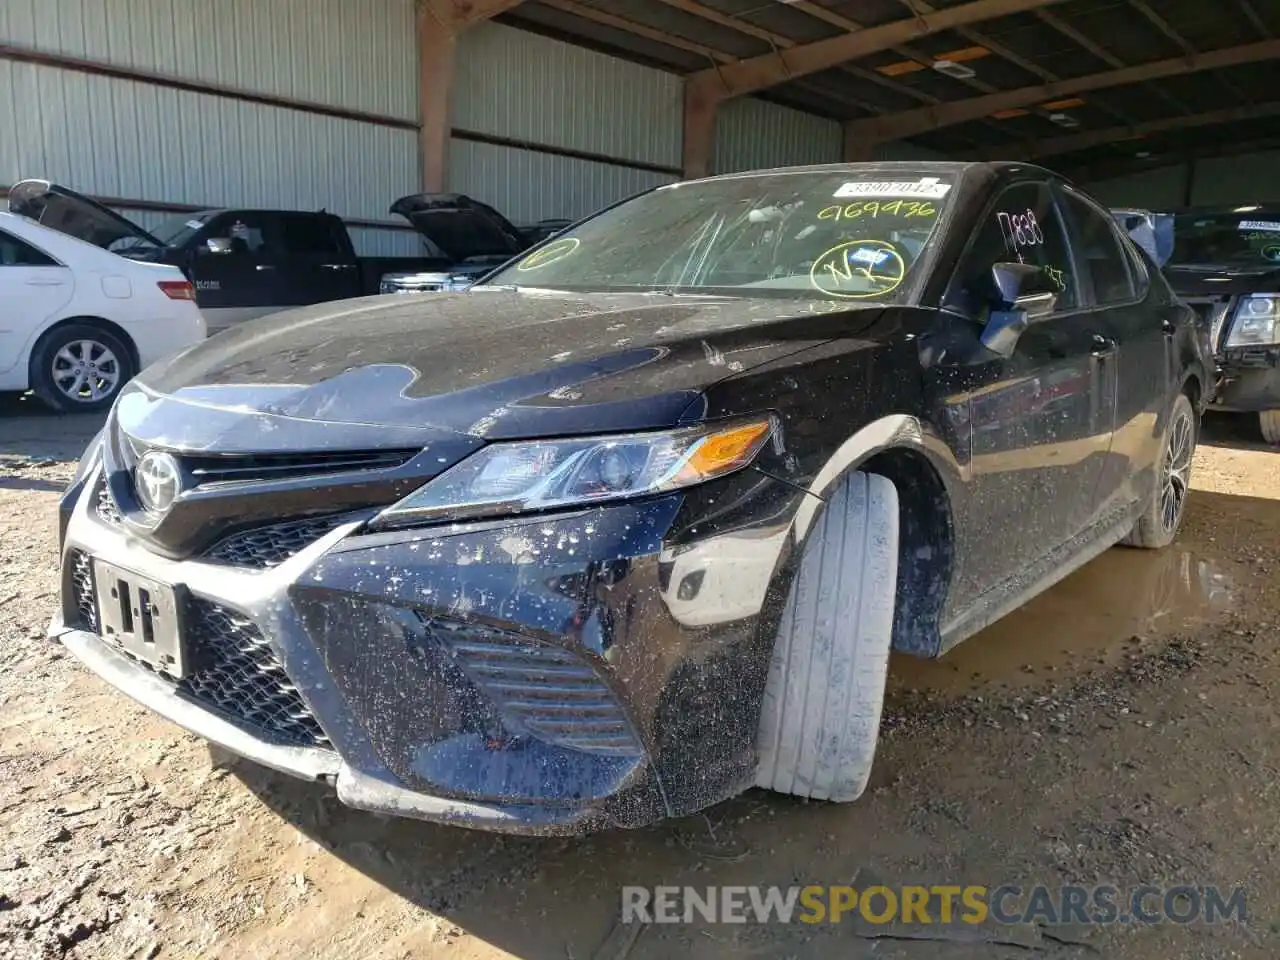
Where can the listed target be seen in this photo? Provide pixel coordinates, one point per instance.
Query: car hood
(461, 227)
(74, 214)
(1212, 280)
(489, 364)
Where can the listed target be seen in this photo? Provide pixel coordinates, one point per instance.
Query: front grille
(238, 674)
(108, 512)
(543, 690)
(234, 468)
(270, 546)
(235, 671)
(82, 585)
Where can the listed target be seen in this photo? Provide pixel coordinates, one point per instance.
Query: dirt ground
(1119, 729)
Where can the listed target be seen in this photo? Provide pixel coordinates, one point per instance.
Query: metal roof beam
(1095, 138)
(912, 122)
(757, 73)
(1128, 166)
(1163, 25)
(1252, 16)
(459, 14)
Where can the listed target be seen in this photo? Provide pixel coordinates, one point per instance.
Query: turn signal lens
(177, 289)
(724, 451)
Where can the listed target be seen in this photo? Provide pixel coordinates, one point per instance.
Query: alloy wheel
(86, 371)
(1177, 471)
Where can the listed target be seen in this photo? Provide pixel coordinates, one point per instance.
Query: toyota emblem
(158, 481)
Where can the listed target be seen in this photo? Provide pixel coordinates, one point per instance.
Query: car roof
(955, 167)
(1237, 209)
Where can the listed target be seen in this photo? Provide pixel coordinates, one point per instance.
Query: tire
(1269, 421)
(1159, 523)
(820, 717)
(80, 368)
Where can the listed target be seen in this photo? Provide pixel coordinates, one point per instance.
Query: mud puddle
(1115, 605)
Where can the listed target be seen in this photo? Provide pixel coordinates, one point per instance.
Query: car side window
(1101, 252)
(313, 235)
(1021, 226)
(19, 253)
(245, 233)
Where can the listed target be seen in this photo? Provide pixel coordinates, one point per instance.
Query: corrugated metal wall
(121, 138)
(595, 128)
(753, 134)
(359, 55)
(526, 87)
(1222, 181)
(528, 186)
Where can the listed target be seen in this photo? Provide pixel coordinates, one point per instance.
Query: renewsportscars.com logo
(941, 903)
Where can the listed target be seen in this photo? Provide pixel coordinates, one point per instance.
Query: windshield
(175, 231)
(845, 235)
(1236, 239)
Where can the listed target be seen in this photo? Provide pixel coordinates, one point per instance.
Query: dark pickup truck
(245, 263)
(1225, 262)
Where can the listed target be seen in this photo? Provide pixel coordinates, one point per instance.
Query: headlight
(507, 478)
(1256, 321)
(89, 459)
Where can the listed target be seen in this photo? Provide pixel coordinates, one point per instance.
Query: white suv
(76, 322)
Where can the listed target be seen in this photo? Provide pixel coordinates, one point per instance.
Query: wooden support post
(700, 107)
(437, 44)
(856, 147)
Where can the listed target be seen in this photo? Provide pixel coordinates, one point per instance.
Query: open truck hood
(462, 228)
(76, 215)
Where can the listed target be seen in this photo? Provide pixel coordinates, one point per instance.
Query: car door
(234, 268)
(1039, 420)
(315, 265)
(33, 288)
(1114, 278)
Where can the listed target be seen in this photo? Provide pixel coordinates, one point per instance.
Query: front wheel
(1159, 523)
(1269, 421)
(820, 717)
(80, 368)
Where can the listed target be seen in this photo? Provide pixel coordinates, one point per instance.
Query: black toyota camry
(633, 525)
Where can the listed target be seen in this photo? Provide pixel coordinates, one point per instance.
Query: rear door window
(303, 234)
(1102, 254)
(19, 253)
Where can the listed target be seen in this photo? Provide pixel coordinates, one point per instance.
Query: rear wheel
(80, 368)
(1159, 523)
(1269, 421)
(820, 718)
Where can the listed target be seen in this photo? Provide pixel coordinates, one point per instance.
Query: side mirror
(1025, 287)
(1021, 293)
(217, 245)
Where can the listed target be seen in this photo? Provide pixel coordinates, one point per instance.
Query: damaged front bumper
(1248, 379)
(550, 676)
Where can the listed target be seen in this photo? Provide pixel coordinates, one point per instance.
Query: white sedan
(76, 322)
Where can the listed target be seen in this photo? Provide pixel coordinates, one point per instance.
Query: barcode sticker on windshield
(1269, 225)
(929, 187)
(869, 255)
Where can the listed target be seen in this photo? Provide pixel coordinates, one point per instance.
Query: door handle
(34, 282)
(339, 266)
(263, 267)
(1103, 346)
